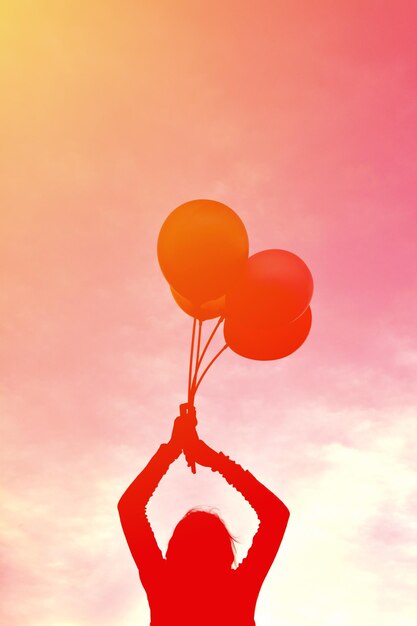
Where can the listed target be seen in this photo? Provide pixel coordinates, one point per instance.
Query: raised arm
(132, 508)
(271, 511)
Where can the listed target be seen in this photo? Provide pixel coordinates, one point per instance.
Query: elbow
(285, 516)
(285, 512)
(120, 506)
(123, 504)
(130, 503)
(281, 517)
(274, 510)
(125, 509)
(282, 512)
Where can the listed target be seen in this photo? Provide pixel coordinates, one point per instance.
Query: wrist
(172, 448)
(220, 461)
(213, 459)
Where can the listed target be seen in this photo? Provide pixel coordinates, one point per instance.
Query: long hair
(201, 540)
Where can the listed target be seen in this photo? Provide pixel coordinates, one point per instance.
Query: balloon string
(200, 359)
(207, 369)
(190, 369)
(200, 325)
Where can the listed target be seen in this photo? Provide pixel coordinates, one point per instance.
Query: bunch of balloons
(263, 299)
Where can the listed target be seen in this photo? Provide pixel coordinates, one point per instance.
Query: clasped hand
(185, 438)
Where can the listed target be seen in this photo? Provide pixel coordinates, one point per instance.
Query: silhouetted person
(195, 585)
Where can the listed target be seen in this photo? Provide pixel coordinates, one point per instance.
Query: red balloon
(275, 288)
(206, 311)
(267, 344)
(202, 248)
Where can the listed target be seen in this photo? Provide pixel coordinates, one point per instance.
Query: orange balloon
(202, 248)
(275, 288)
(267, 344)
(206, 311)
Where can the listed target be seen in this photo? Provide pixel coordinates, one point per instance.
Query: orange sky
(303, 120)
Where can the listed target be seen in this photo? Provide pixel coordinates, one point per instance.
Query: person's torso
(192, 601)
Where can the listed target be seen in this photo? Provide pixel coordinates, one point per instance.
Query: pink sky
(303, 120)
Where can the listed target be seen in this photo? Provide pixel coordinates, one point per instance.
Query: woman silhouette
(195, 585)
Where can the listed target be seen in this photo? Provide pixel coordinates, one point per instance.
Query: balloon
(206, 311)
(267, 344)
(275, 288)
(202, 248)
